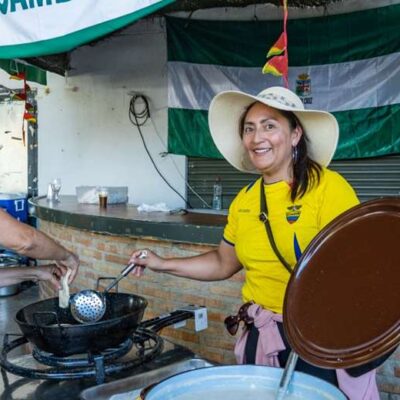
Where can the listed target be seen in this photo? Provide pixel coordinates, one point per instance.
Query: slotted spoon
(89, 306)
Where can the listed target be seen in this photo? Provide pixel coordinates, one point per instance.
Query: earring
(294, 154)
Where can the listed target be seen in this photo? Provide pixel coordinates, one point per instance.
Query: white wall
(85, 136)
(13, 150)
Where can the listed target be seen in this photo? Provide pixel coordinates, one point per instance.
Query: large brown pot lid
(342, 304)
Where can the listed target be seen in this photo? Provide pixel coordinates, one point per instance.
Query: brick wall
(103, 255)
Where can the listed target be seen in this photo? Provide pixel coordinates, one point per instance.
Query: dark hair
(306, 172)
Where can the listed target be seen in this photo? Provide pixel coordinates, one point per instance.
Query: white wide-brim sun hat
(226, 109)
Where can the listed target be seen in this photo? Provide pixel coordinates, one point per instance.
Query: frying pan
(54, 330)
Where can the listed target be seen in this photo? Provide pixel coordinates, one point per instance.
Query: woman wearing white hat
(273, 135)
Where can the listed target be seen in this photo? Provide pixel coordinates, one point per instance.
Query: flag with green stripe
(347, 64)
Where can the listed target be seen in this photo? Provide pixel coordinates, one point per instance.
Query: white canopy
(31, 28)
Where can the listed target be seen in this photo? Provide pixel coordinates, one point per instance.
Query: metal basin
(10, 290)
(133, 385)
(9, 261)
(239, 382)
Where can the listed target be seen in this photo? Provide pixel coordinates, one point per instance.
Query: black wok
(54, 330)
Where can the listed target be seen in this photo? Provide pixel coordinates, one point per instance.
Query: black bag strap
(264, 218)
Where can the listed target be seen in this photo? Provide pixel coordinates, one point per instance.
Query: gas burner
(40, 375)
(142, 347)
(84, 361)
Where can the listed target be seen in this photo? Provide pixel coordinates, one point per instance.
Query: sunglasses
(232, 322)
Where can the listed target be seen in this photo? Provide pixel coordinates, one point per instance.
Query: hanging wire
(139, 117)
(164, 154)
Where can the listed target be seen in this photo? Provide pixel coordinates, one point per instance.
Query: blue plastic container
(16, 204)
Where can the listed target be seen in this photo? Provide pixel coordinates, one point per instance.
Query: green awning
(33, 74)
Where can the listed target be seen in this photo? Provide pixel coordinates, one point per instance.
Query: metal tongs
(88, 305)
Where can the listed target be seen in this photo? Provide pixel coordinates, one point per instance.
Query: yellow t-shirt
(294, 225)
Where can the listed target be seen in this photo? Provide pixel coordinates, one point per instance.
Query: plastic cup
(103, 196)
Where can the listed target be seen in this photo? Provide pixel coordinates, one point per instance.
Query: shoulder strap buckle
(263, 216)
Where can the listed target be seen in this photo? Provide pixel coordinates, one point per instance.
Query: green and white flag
(347, 64)
(31, 28)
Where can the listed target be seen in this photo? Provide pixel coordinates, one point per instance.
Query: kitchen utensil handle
(126, 270)
(130, 266)
(124, 273)
(286, 376)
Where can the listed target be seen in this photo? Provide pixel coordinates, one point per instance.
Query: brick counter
(106, 255)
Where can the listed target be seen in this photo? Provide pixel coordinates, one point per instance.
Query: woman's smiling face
(269, 140)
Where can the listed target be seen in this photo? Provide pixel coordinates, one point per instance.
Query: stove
(31, 374)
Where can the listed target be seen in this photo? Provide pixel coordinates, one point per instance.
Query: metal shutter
(371, 178)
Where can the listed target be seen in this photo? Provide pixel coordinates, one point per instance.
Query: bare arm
(51, 273)
(30, 242)
(214, 265)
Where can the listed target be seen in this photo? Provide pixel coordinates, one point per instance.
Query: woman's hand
(213, 265)
(143, 259)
